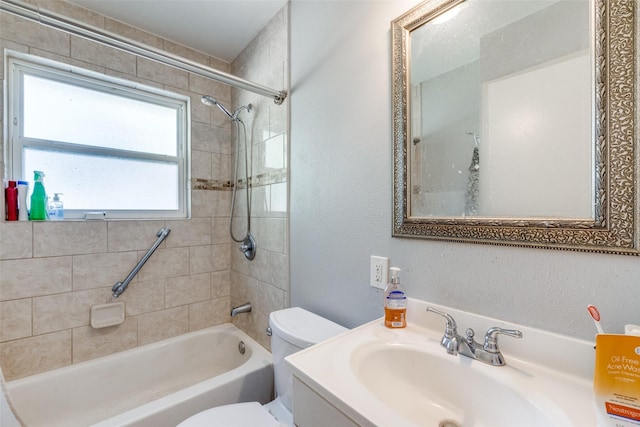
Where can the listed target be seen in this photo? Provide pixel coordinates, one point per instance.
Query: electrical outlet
(379, 272)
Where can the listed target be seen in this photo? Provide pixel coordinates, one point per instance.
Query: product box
(616, 380)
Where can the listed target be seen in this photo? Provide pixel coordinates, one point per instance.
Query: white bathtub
(154, 385)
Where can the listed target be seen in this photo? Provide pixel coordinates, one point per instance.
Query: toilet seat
(249, 414)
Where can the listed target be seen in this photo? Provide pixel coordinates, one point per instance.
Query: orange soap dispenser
(395, 302)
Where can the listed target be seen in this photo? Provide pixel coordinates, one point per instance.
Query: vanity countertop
(547, 379)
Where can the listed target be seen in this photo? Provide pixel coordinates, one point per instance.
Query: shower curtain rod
(77, 28)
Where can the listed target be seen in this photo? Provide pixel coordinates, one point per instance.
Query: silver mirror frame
(615, 227)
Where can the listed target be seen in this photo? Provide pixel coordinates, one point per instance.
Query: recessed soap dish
(104, 315)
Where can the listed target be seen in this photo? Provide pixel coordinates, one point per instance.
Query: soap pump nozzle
(395, 275)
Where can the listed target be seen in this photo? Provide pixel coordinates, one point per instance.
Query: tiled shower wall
(264, 281)
(51, 273)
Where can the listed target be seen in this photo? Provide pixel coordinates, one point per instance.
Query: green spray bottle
(38, 210)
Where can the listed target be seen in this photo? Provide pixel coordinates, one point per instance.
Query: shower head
(209, 100)
(476, 137)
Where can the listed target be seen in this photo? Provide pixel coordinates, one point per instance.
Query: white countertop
(553, 368)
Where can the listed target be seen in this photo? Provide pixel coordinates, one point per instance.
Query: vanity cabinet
(312, 410)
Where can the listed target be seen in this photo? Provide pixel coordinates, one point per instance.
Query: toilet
(292, 329)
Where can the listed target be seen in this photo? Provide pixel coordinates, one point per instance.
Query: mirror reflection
(501, 111)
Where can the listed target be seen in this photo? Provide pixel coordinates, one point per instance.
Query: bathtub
(155, 385)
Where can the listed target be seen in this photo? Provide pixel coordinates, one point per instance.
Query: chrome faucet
(488, 352)
(244, 308)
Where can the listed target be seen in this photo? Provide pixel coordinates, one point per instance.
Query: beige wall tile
(201, 259)
(219, 64)
(205, 259)
(200, 116)
(143, 297)
(209, 203)
(132, 33)
(242, 265)
(89, 343)
(186, 52)
(210, 87)
(196, 231)
(269, 267)
(152, 70)
(263, 297)
(220, 230)
(211, 137)
(270, 233)
(29, 356)
(220, 284)
(67, 60)
(209, 313)
(16, 238)
(221, 167)
(105, 56)
(71, 10)
(163, 324)
(133, 235)
(134, 78)
(55, 238)
(254, 324)
(169, 262)
(200, 164)
(278, 270)
(65, 311)
(187, 289)
(100, 270)
(31, 277)
(33, 34)
(15, 319)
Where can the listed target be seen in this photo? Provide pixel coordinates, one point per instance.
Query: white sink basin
(429, 389)
(382, 377)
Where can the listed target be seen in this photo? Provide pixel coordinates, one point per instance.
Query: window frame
(18, 64)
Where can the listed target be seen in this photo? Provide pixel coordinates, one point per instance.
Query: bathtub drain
(448, 423)
(241, 347)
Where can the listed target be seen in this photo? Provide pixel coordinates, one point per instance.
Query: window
(108, 145)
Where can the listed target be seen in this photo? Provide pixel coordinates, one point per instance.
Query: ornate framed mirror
(514, 123)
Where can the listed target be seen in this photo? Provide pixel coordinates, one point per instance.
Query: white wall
(341, 199)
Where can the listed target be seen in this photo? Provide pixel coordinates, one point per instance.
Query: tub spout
(244, 308)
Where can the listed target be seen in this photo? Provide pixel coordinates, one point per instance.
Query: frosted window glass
(105, 183)
(74, 114)
(106, 144)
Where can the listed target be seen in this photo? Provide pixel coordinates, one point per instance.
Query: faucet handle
(491, 338)
(450, 338)
(451, 329)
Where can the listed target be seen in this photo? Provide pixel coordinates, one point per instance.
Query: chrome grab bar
(120, 287)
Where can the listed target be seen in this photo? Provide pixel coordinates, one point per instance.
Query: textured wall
(264, 281)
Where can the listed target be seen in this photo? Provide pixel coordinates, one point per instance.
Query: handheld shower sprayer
(248, 243)
(476, 138)
(211, 101)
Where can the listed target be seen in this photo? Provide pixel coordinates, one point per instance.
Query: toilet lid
(250, 414)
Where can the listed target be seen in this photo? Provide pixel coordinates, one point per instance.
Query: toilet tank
(295, 329)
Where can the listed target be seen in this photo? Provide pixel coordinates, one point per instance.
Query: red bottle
(11, 200)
